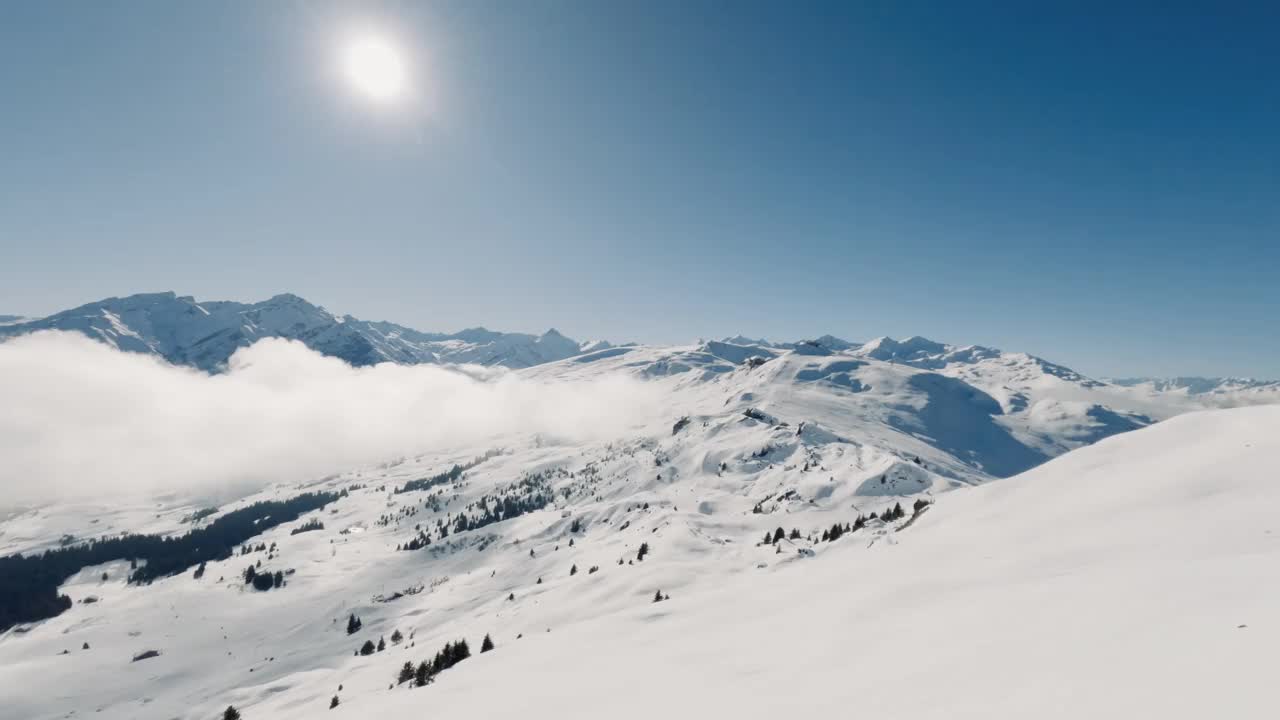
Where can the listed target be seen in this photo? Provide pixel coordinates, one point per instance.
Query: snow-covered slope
(204, 334)
(1135, 578)
(1088, 587)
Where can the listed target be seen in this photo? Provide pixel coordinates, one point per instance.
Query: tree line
(29, 583)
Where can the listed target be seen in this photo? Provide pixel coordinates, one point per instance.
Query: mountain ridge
(204, 334)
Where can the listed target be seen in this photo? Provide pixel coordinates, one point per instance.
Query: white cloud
(79, 418)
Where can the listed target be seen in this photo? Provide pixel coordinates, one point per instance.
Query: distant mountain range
(205, 334)
(1200, 385)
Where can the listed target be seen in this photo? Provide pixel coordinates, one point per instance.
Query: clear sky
(1094, 182)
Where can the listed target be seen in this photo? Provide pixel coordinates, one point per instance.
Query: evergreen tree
(353, 624)
(396, 637)
(367, 648)
(422, 675)
(487, 644)
(795, 534)
(644, 550)
(333, 703)
(406, 673)
(779, 534)
(657, 596)
(231, 713)
(382, 644)
(573, 570)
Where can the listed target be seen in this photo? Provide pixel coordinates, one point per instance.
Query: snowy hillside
(205, 334)
(1087, 587)
(763, 529)
(1135, 578)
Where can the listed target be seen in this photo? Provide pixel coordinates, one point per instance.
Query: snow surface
(1137, 577)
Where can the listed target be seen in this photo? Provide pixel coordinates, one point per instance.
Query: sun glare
(374, 67)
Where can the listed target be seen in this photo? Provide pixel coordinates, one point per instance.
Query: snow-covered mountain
(1218, 392)
(978, 411)
(205, 334)
(638, 569)
(11, 319)
(825, 516)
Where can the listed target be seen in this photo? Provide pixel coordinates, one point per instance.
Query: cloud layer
(81, 419)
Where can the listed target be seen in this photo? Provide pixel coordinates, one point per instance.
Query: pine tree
(367, 648)
(573, 570)
(795, 534)
(382, 644)
(231, 713)
(333, 703)
(779, 534)
(422, 675)
(396, 637)
(353, 624)
(406, 673)
(644, 550)
(487, 644)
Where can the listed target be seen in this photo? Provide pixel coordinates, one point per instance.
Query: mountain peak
(288, 299)
(206, 334)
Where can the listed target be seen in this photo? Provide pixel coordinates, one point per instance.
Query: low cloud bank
(81, 419)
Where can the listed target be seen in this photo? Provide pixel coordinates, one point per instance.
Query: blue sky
(1097, 183)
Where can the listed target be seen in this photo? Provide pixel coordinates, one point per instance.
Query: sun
(375, 68)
